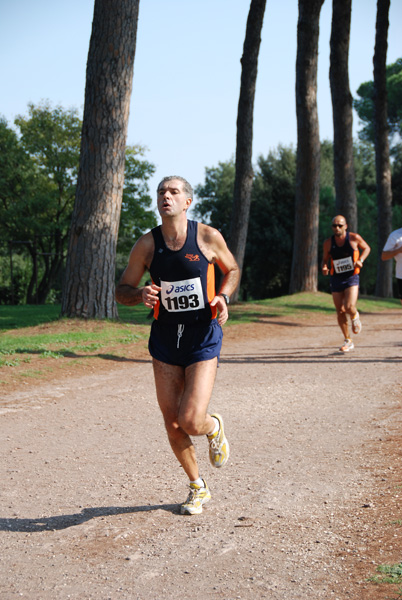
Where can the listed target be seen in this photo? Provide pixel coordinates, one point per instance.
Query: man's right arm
(127, 290)
(325, 256)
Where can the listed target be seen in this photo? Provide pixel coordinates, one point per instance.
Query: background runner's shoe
(197, 497)
(218, 445)
(356, 324)
(348, 345)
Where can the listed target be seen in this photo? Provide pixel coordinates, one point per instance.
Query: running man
(393, 249)
(186, 333)
(342, 249)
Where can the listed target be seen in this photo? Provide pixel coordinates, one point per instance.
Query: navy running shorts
(184, 345)
(341, 283)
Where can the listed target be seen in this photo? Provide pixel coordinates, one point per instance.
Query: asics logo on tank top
(192, 257)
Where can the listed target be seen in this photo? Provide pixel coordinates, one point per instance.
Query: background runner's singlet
(187, 280)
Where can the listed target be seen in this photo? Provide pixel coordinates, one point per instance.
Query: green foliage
(136, 214)
(389, 574)
(38, 174)
(37, 201)
(268, 254)
(216, 197)
(364, 106)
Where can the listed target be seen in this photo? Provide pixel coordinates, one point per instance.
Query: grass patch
(301, 306)
(28, 315)
(388, 574)
(29, 331)
(18, 317)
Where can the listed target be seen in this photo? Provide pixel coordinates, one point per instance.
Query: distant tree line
(66, 214)
(268, 254)
(39, 160)
(38, 174)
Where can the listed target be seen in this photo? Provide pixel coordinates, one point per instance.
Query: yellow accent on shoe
(218, 445)
(197, 497)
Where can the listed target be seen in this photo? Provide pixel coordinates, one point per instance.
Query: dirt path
(309, 504)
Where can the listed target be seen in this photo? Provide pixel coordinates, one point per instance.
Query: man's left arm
(229, 268)
(364, 247)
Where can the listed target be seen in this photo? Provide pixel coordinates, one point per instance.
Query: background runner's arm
(387, 254)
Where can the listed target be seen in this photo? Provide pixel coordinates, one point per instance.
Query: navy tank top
(343, 258)
(187, 280)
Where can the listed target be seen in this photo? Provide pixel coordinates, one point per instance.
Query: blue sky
(186, 71)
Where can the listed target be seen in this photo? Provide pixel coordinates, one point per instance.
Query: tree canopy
(38, 174)
(364, 105)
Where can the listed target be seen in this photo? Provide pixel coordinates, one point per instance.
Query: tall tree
(304, 270)
(90, 269)
(342, 110)
(383, 168)
(244, 141)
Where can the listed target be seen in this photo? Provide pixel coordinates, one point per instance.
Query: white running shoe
(348, 345)
(218, 445)
(197, 497)
(356, 324)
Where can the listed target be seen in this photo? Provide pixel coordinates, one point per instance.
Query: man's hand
(325, 270)
(220, 304)
(150, 295)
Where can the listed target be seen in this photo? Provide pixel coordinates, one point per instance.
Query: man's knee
(192, 423)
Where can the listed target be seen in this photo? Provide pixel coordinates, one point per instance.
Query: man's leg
(351, 295)
(183, 397)
(338, 298)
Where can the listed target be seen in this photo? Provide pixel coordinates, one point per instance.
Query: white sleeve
(390, 244)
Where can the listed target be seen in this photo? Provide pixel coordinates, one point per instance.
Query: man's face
(172, 199)
(339, 226)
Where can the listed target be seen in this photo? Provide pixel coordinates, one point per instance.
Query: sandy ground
(308, 506)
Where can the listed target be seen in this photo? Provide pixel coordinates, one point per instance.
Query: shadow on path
(65, 521)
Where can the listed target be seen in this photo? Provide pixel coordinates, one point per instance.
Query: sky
(186, 72)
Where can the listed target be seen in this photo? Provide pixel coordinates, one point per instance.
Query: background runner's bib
(180, 296)
(343, 264)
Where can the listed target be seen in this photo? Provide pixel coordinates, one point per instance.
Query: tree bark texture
(383, 168)
(244, 141)
(304, 272)
(342, 110)
(90, 270)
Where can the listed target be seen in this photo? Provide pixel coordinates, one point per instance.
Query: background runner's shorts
(339, 284)
(183, 345)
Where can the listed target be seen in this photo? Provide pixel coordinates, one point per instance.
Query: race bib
(343, 264)
(180, 296)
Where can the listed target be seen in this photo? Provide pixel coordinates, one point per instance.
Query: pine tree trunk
(342, 107)
(383, 169)
(304, 272)
(244, 143)
(90, 270)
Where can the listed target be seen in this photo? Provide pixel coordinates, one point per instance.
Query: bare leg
(183, 397)
(351, 295)
(338, 298)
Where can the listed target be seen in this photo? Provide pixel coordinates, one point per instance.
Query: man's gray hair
(188, 190)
